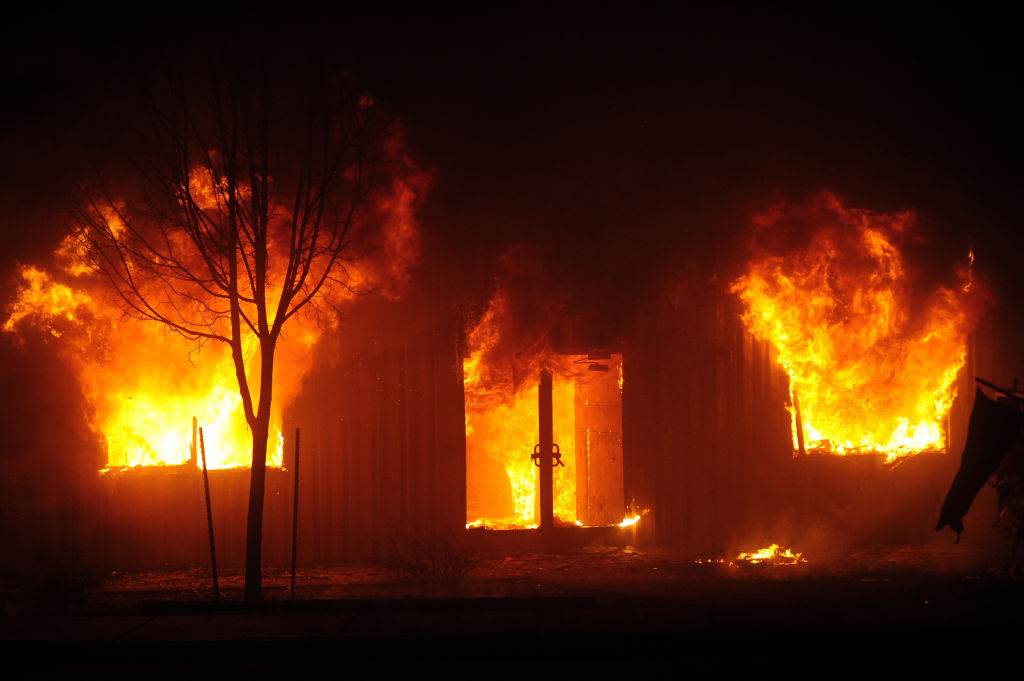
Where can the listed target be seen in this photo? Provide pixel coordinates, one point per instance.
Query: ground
(596, 605)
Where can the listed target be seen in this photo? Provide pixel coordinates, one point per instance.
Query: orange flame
(144, 384)
(773, 554)
(871, 370)
(502, 428)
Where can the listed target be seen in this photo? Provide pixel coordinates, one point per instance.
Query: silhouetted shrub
(427, 559)
(63, 583)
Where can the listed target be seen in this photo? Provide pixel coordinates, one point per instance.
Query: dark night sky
(624, 137)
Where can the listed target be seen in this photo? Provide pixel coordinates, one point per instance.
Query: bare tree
(240, 212)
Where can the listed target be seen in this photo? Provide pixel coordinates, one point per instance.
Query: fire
(506, 433)
(508, 350)
(871, 366)
(772, 554)
(40, 295)
(630, 521)
(502, 429)
(144, 383)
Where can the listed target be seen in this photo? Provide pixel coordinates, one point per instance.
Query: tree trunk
(254, 527)
(257, 478)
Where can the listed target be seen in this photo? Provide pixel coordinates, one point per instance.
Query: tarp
(992, 429)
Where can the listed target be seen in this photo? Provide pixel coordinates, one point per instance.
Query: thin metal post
(295, 512)
(546, 438)
(799, 425)
(193, 453)
(209, 517)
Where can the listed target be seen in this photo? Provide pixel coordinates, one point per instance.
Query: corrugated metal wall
(706, 432)
(706, 448)
(383, 431)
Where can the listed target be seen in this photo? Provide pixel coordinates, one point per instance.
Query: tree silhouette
(241, 209)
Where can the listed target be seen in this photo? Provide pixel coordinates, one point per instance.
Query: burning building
(715, 370)
(417, 417)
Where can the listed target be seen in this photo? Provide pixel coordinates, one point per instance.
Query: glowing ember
(630, 521)
(872, 366)
(773, 555)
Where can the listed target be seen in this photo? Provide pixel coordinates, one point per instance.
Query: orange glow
(39, 295)
(872, 367)
(144, 384)
(630, 521)
(506, 432)
(507, 351)
(502, 428)
(773, 554)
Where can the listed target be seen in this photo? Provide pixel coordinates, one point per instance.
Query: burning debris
(770, 556)
(773, 555)
(872, 363)
(630, 521)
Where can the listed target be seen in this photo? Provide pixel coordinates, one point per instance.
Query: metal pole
(209, 516)
(295, 512)
(546, 437)
(799, 426)
(193, 454)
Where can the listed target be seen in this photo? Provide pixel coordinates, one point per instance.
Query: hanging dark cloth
(992, 429)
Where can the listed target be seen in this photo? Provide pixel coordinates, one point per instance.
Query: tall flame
(502, 427)
(144, 383)
(872, 367)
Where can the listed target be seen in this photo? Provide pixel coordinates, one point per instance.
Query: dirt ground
(599, 605)
(593, 571)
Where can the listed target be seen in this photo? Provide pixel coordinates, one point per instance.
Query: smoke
(390, 244)
(522, 330)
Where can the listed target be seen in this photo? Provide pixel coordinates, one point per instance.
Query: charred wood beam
(1012, 393)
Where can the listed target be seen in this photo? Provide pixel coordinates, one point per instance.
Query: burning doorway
(504, 468)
